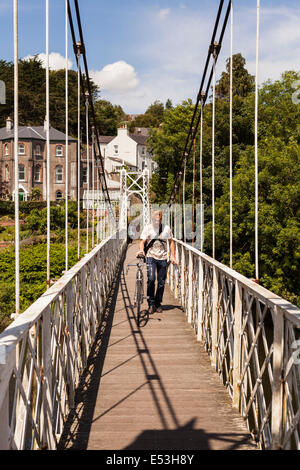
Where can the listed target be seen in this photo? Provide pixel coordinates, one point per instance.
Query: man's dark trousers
(153, 266)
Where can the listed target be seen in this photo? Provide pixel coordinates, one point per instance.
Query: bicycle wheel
(139, 299)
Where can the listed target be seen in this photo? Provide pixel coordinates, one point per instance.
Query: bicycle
(139, 296)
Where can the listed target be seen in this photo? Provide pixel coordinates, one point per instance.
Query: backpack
(150, 244)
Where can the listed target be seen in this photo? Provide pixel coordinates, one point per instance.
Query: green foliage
(36, 221)
(32, 82)
(243, 82)
(36, 194)
(167, 145)
(109, 117)
(153, 117)
(33, 268)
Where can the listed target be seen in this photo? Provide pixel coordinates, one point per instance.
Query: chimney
(9, 124)
(123, 130)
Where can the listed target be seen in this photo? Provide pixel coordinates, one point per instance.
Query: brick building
(32, 162)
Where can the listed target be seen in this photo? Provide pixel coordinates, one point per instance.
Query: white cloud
(56, 60)
(164, 13)
(118, 77)
(173, 58)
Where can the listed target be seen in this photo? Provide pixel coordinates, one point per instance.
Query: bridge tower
(134, 183)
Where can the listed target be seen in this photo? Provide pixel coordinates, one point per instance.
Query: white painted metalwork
(93, 187)
(78, 149)
(252, 337)
(48, 143)
(45, 350)
(230, 131)
(134, 183)
(201, 171)
(87, 166)
(256, 143)
(16, 153)
(67, 139)
(213, 156)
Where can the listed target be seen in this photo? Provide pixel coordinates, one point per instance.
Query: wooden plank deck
(153, 388)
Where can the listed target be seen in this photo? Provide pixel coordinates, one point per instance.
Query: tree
(108, 117)
(36, 194)
(169, 104)
(153, 117)
(279, 174)
(243, 82)
(32, 82)
(167, 145)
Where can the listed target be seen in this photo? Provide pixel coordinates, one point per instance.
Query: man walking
(154, 245)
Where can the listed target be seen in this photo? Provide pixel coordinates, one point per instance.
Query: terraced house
(32, 162)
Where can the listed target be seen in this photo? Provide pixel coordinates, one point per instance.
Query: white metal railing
(44, 351)
(252, 338)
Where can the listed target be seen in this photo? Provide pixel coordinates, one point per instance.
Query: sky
(140, 51)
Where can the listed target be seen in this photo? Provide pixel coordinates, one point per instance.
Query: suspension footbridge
(219, 368)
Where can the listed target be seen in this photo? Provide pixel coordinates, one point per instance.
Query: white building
(127, 149)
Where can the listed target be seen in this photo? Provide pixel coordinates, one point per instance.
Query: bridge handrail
(291, 311)
(252, 337)
(44, 351)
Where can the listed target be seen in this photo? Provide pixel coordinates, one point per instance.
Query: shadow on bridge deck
(150, 388)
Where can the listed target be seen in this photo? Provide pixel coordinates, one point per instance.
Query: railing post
(190, 287)
(277, 387)
(48, 439)
(70, 341)
(4, 423)
(200, 300)
(182, 276)
(238, 312)
(215, 314)
(176, 283)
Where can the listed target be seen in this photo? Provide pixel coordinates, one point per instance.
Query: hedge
(8, 207)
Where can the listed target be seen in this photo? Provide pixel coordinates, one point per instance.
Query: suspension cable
(213, 158)
(16, 153)
(78, 151)
(191, 134)
(183, 202)
(230, 125)
(87, 170)
(93, 186)
(193, 207)
(103, 179)
(256, 144)
(201, 173)
(67, 138)
(48, 143)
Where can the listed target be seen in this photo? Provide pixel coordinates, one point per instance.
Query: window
(21, 173)
(6, 150)
(21, 149)
(59, 196)
(143, 166)
(116, 149)
(38, 150)
(59, 151)
(37, 173)
(144, 151)
(84, 175)
(7, 173)
(59, 174)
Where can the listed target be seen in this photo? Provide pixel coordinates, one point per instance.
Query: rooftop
(34, 132)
